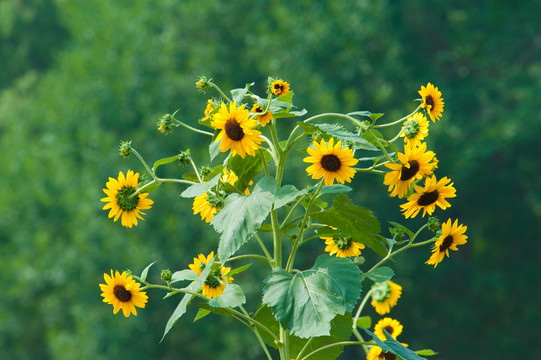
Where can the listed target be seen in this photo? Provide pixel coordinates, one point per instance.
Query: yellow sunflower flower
(434, 193)
(207, 205)
(415, 163)
(279, 87)
(330, 162)
(377, 353)
(263, 119)
(342, 247)
(123, 292)
(384, 301)
(392, 326)
(432, 101)
(237, 130)
(121, 203)
(452, 235)
(415, 129)
(208, 110)
(216, 281)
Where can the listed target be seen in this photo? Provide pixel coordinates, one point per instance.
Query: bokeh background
(76, 77)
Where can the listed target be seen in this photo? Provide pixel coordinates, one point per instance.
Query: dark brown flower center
(430, 101)
(121, 293)
(428, 198)
(408, 173)
(258, 109)
(446, 243)
(233, 130)
(388, 356)
(330, 162)
(389, 329)
(278, 89)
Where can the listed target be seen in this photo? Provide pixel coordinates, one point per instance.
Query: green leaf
(186, 274)
(403, 228)
(163, 162)
(340, 331)
(213, 172)
(356, 221)
(375, 116)
(364, 322)
(288, 114)
(287, 194)
(339, 132)
(238, 270)
(360, 113)
(242, 216)
(265, 228)
(198, 189)
(334, 189)
(152, 188)
(265, 317)
(394, 346)
(426, 352)
(214, 149)
(238, 94)
(183, 304)
(380, 274)
(143, 276)
(201, 314)
(246, 169)
(232, 296)
(307, 301)
(288, 98)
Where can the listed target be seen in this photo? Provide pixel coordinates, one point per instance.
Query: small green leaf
(143, 276)
(394, 346)
(356, 221)
(201, 314)
(334, 189)
(287, 194)
(364, 322)
(238, 94)
(360, 113)
(376, 116)
(186, 274)
(198, 189)
(288, 114)
(152, 188)
(426, 352)
(238, 270)
(380, 274)
(242, 216)
(163, 162)
(232, 296)
(265, 228)
(214, 149)
(307, 301)
(403, 228)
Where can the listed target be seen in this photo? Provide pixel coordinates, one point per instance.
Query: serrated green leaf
(163, 162)
(380, 274)
(307, 301)
(242, 216)
(287, 194)
(426, 352)
(198, 189)
(183, 304)
(356, 221)
(339, 132)
(288, 114)
(394, 346)
(183, 275)
(143, 276)
(201, 314)
(364, 322)
(375, 116)
(232, 296)
(334, 189)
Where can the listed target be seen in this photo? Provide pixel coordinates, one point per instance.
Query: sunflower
(452, 235)
(330, 162)
(123, 292)
(377, 353)
(207, 205)
(415, 129)
(385, 297)
(208, 110)
(238, 132)
(434, 193)
(279, 87)
(263, 119)
(432, 101)
(415, 163)
(342, 247)
(215, 283)
(120, 201)
(392, 326)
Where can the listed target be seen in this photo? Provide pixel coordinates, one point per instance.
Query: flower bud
(205, 170)
(433, 223)
(202, 84)
(166, 123)
(184, 157)
(125, 148)
(166, 275)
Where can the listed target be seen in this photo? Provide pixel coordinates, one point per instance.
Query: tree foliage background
(78, 77)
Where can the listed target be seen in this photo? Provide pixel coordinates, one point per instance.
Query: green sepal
(143, 276)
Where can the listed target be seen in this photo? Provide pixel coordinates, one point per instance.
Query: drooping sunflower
(415, 163)
(238, 132)
(279, 87)
(415, 129)
(123, 292)
(121, 203)
(207, 205)
(392, 326)
(432, 101)
(263, 119)
(342, 246)
(452, 235)
(385, 297)
(330, 162)
(434, 193)
(216, 281)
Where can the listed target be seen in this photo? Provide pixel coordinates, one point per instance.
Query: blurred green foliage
(79, 76)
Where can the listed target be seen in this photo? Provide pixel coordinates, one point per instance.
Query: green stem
(358, 313)
(255, 322)
(264, 248)
(341, 343)
(220, 91)
(196, 171)
(178, 122)
(265, 166)
(397, 121)
(257, 334)
(304, 348)
(248, 256)
(144, 163)
(361, 339)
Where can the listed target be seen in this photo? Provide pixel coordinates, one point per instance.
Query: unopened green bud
(166, 123)
(203, 84)
(166, 275)
(128, 272)
(318, 136)
(411, 129)
(205, 170)
(433, 223)
(350, 144)
(184, 157)
(397, 233)
(125, 148)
